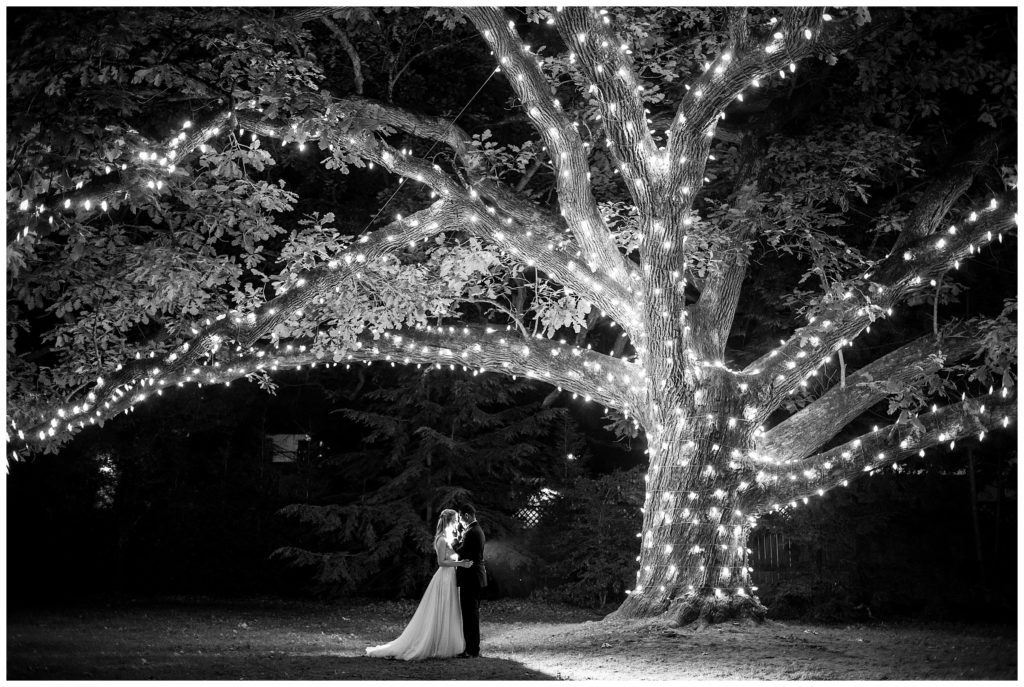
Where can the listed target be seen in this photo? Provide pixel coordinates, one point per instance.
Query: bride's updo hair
(447, 518)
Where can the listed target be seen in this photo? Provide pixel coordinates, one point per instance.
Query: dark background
(195, 509)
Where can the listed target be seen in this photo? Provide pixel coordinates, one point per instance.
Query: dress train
(435, 630)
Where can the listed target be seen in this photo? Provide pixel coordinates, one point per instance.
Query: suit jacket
(471, 548)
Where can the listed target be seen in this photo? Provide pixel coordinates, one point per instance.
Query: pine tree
(586, 540)
(433, 439)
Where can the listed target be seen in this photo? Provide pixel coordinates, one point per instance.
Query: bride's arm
(440, 548)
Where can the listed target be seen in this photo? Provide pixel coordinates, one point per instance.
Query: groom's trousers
(469, 600)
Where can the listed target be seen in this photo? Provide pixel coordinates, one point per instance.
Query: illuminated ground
(273, 640)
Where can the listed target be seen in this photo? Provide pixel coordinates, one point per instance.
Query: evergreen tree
(586, 539)
(432, 440)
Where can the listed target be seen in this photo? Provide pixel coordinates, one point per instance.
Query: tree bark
(693, 556)
(801, 433)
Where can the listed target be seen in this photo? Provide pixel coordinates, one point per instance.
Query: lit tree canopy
(690, 217)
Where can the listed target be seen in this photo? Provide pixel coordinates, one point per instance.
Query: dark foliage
(901, 544)
(175, 499)
(587, 538)
(424, 441)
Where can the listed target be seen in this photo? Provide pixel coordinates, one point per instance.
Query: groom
(470, 546)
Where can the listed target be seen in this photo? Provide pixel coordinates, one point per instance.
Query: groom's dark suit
(470, 581)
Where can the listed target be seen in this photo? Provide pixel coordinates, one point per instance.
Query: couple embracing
(447, 621)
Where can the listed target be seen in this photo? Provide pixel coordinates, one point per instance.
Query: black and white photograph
(477, 342)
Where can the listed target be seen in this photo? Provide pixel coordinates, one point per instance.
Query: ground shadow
(35, 665)
(289, 640)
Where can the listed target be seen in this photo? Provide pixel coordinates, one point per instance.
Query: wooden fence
(775, 556)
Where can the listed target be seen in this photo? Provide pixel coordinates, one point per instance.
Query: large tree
(711, 274)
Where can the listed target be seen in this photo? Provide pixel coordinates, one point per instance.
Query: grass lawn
(270, 639)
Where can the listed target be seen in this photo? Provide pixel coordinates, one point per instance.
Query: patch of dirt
(202, 639)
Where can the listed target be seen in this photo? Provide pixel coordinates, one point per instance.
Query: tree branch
(308, 14)
(840, 319)
(712, 316)
(612, 382)
(568, 152)
(614, 83)
(143, 175)
(787, 484)
(943, 192)
(533, 242)
(246, 329)
(459, 211)
(537, 245)
(742, 64)
(438, 129)
(801, 433)
(353, 56)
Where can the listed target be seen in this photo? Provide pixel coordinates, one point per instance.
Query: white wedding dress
(435, 630)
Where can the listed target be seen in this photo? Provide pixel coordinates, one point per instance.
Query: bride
(435, 630)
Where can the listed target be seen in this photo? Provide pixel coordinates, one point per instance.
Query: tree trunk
(693, 559)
